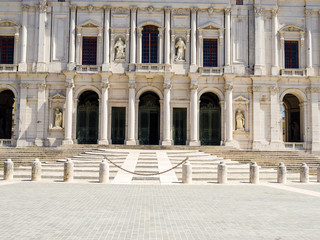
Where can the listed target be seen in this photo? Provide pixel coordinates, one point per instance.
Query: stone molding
(312, 90)
(258, 11)
(228, 87)
(274, 89)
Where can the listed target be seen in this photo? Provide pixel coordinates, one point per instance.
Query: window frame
(150, 44)
(204, 50)
(8, 46)
(291, 52)
(90, 48)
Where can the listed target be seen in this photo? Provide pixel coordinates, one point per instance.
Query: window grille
(150, 44)
(6, 50)
(210, 52)
(291, 49)
(89, 51)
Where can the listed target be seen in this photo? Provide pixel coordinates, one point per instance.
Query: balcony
(296, 72)
(88, 68)
(216, 71)
(150, 67)
(8, 68)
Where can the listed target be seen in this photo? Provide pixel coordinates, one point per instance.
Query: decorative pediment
(211, 26)
(9, 24)
(57, 96)
(89, 24)
(292, 29)
(241, 100)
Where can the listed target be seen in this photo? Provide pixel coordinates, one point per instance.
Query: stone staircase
(86, 166)
(269, 159)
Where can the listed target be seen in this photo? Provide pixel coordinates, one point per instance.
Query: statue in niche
(181, 47)
(240, 121)
(57, 118)
(120, 49)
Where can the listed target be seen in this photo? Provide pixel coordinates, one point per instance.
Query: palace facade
(235, 73)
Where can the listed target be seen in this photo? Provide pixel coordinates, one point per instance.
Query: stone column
(69, 111)
(275, 56)
(104, 111)
(131, 140)
(22, 142)
(167, 35)
(276, 119)
(194, 130)
(72, 42)
(133, 35)
(314, 102)
(227, 57)
(106, 40)
(193, 67)
(41, 65)
(40, 112)
(139, 45)
(229, 116)
(256, 117)
(160, 49)
(24, 35)
(259, 68)
(308, 14)
(167, 113)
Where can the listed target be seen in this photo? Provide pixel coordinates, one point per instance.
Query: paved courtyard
(94, 211)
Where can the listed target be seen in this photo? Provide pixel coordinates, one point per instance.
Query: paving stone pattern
(94, 211)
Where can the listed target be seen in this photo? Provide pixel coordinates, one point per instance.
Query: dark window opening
(89, 51)
(291, 49)
(150, 44)
(239, 2)
(210, 52)
(6, 50)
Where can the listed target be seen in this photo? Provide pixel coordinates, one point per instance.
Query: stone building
(230, 72)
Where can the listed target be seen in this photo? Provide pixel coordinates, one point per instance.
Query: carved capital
(210, 10)
(194, 86)
(228, 87)
(42, 86)
(256, 89)
(275, 12)
(24, 85)
(25, 7)
(131, 85)
(43, 7)
(134, 9)
(227, 10)
(167, 10)
(308, 12)
(69, 85)
(194, 10)
(73, 8)
(106, 8)
(258, 11)
(274, 89)
(167, 86)
(105, 85)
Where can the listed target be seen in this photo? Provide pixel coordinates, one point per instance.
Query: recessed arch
(149, 89)
(149, 119)
(297, 92)
(213, 90)
(210, 119)
(83, 89)
(88, 118)
(141, 25)
(7, 113)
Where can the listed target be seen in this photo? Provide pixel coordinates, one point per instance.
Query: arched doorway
(149, 119)
(210, 119)
(291, 119)
(88, 118)
(7, 108)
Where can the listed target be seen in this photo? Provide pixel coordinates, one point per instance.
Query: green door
(88, 118)
(118, 124)
(179, 130)
(210, 120)
(149, 119)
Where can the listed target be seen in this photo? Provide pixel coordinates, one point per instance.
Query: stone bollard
(222, 173)
(304, 173)
(254, 173)
(282, 173)
(8, 170)
(104, 172)
(36, 170)
(187, 172)
(318, 174)
(68, 170)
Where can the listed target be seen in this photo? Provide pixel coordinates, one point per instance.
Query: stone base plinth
(194, 143)
(166, 143)
(193, 68)
(131, 142)
(67, 142)
(22, 143)
(105, 67)
(38, 142)
(275, 71)
(71, 66)
(103, 142)
(22, 67)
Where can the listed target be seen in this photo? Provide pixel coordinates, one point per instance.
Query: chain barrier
(145, 174)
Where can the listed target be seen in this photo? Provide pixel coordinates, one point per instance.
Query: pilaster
(41, 114)
(194, 129)
(41, 64)
(131, 140)
(72, 43)
(259, 68)
(193, 66)
(22, 141)
(24, 35)
(106, 40)
(167, 111)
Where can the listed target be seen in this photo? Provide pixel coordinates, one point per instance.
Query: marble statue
(240, 121)
(57, 118)
(120, 49)
(181, 47)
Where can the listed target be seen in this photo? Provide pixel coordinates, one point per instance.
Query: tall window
(291, 49)
(89, 51)
(6, 50)
(210, 52)
(239, 2)
(150, 44)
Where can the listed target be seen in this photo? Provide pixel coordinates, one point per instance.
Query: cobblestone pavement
(94, 211)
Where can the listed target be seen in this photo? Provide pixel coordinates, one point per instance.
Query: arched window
(150, 44)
